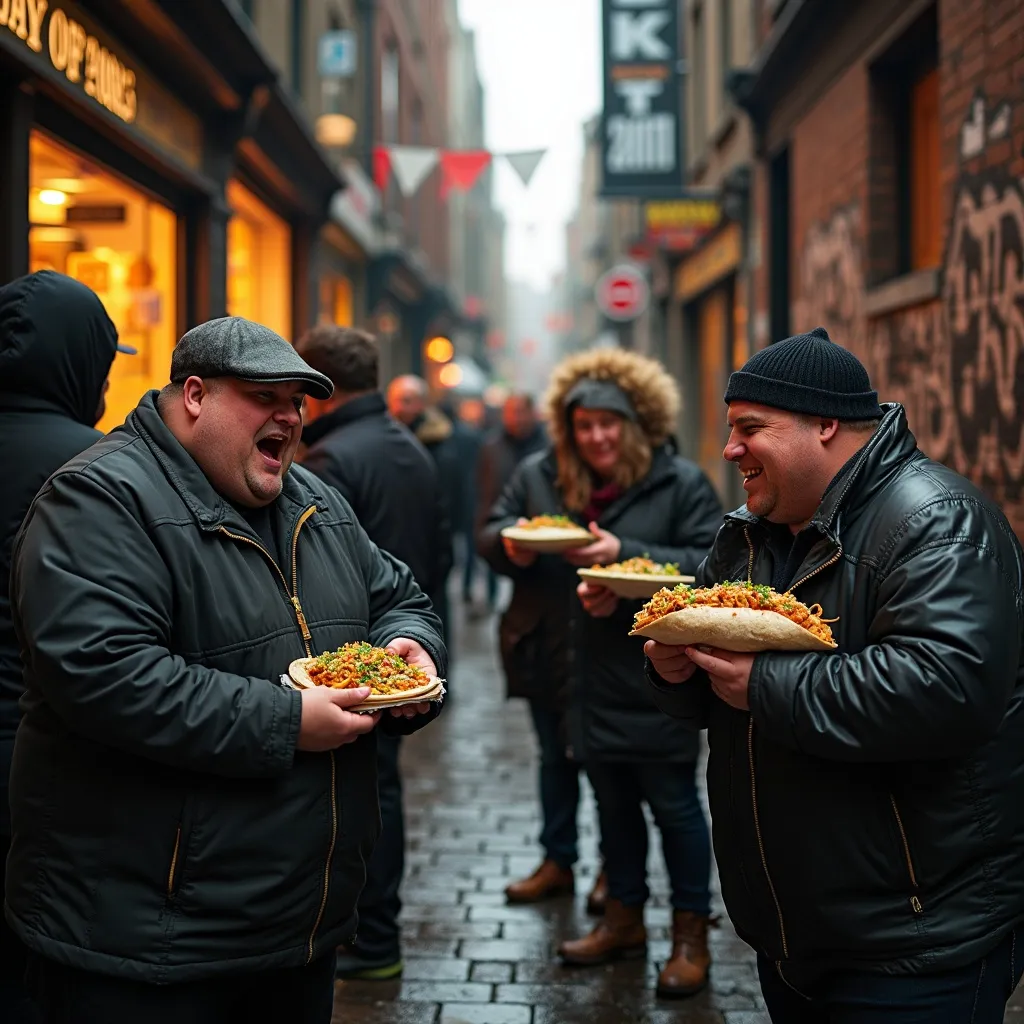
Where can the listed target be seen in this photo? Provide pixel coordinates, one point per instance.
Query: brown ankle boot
(686, 971)
(547, 881)
(598, 897)
(621, 933)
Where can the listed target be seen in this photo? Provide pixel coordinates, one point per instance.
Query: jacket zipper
(760, 842)
(174, 864)
(300, 618)
(327, 869)
(915, 903)
(293, 593)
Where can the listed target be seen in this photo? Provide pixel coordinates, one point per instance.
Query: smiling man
(867, 803)
(189, 835)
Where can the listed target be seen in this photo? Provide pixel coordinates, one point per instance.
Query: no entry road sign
(622, 293)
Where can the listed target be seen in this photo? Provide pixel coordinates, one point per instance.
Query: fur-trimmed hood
(650, 388)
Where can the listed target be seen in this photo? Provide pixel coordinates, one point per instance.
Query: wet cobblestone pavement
(472, 823)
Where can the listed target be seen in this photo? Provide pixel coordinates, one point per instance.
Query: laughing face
(598, 437)
(780, 456)
(245, 436)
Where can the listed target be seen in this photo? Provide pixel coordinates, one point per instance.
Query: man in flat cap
(867, 802)
(190, 835)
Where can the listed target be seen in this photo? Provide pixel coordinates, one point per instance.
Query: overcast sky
(540, 62)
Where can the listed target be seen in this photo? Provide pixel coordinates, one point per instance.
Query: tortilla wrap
(631, 585)
(732, 629)
(298, 673)
(549, 538)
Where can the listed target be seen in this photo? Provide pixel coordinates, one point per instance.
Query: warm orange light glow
(440, 350)
(450, 375)
(52, 197)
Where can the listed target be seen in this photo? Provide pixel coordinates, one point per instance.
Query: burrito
(735, 617)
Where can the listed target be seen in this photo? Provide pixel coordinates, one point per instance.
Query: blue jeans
(559, 788)
(670, 790)
(975, 994)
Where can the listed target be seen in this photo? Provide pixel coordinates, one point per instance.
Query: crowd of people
(187, 836)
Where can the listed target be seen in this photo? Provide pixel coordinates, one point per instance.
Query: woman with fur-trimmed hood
(613, 469)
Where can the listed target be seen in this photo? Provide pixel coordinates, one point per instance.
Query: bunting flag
(526, 163)
(381, 168)
(462, 170)
(412, 165)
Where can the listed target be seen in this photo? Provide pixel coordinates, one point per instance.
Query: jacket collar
(209, 508)
(355, 409)
(890, 448)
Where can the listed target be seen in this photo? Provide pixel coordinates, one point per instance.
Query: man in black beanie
(867, 802)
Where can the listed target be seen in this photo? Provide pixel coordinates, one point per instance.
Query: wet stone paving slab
(472, 825)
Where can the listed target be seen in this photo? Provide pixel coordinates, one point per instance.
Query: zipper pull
(915, 904)
(306, 635)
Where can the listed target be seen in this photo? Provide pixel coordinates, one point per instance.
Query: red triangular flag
(381, 167)
(460, 170)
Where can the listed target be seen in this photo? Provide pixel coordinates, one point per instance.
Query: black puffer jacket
(547, 640)
(165, 827)
(869, 811)
(56, 348)
(390, 481)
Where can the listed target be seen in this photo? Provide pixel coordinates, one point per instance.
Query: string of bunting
(460, 169)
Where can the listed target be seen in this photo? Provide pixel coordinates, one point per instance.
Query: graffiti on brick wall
(957, 363)
(832, 279)
(983, 314)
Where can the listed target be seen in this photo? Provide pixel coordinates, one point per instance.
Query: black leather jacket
(869, 810)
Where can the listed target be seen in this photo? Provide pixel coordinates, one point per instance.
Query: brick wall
(956, 357)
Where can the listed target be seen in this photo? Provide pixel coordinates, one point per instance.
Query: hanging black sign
(640, 126)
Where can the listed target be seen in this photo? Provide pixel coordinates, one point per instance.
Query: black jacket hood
(57, 344)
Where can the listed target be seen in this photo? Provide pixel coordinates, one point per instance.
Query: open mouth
(749, 475)
(271, 448)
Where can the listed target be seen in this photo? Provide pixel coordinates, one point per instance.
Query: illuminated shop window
(335, 300)
(259, 262)
(93, 226)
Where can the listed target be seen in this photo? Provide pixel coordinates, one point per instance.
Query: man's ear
(827, 429)
(193, 393)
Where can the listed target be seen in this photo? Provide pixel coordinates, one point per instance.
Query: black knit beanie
(809, 374)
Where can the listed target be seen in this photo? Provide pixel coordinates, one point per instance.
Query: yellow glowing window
(259, 262)
(91, 225)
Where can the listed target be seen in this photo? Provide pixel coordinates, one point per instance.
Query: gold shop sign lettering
(719, 257)
(73, 51)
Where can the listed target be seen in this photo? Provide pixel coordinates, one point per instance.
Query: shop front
(136, 161)
(714, 343)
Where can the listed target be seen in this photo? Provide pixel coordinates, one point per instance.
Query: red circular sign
(622, 293)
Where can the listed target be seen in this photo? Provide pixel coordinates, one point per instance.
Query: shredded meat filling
(735, 595)
(545, 522)
(641, 567)
(361, 664)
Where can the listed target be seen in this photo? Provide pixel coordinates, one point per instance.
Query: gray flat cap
(235, 347)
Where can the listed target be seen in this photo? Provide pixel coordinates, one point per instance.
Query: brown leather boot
(598, 897)
(547, 881)
(621, 933)
(686, 971)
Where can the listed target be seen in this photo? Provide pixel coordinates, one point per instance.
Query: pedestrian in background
(868, 803)
(57, 345)
(407, 401)
(611, 413)
(392, 484)
(519, 434)
(467, 439)
(190, 836)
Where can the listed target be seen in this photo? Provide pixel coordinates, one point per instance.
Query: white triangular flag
(411, 165)
(526, 163)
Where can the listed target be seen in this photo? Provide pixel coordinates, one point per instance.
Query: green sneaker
(358, 968)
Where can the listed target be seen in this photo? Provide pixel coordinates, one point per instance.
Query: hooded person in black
(57, 345)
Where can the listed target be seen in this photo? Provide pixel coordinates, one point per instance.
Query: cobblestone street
(472, 822)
